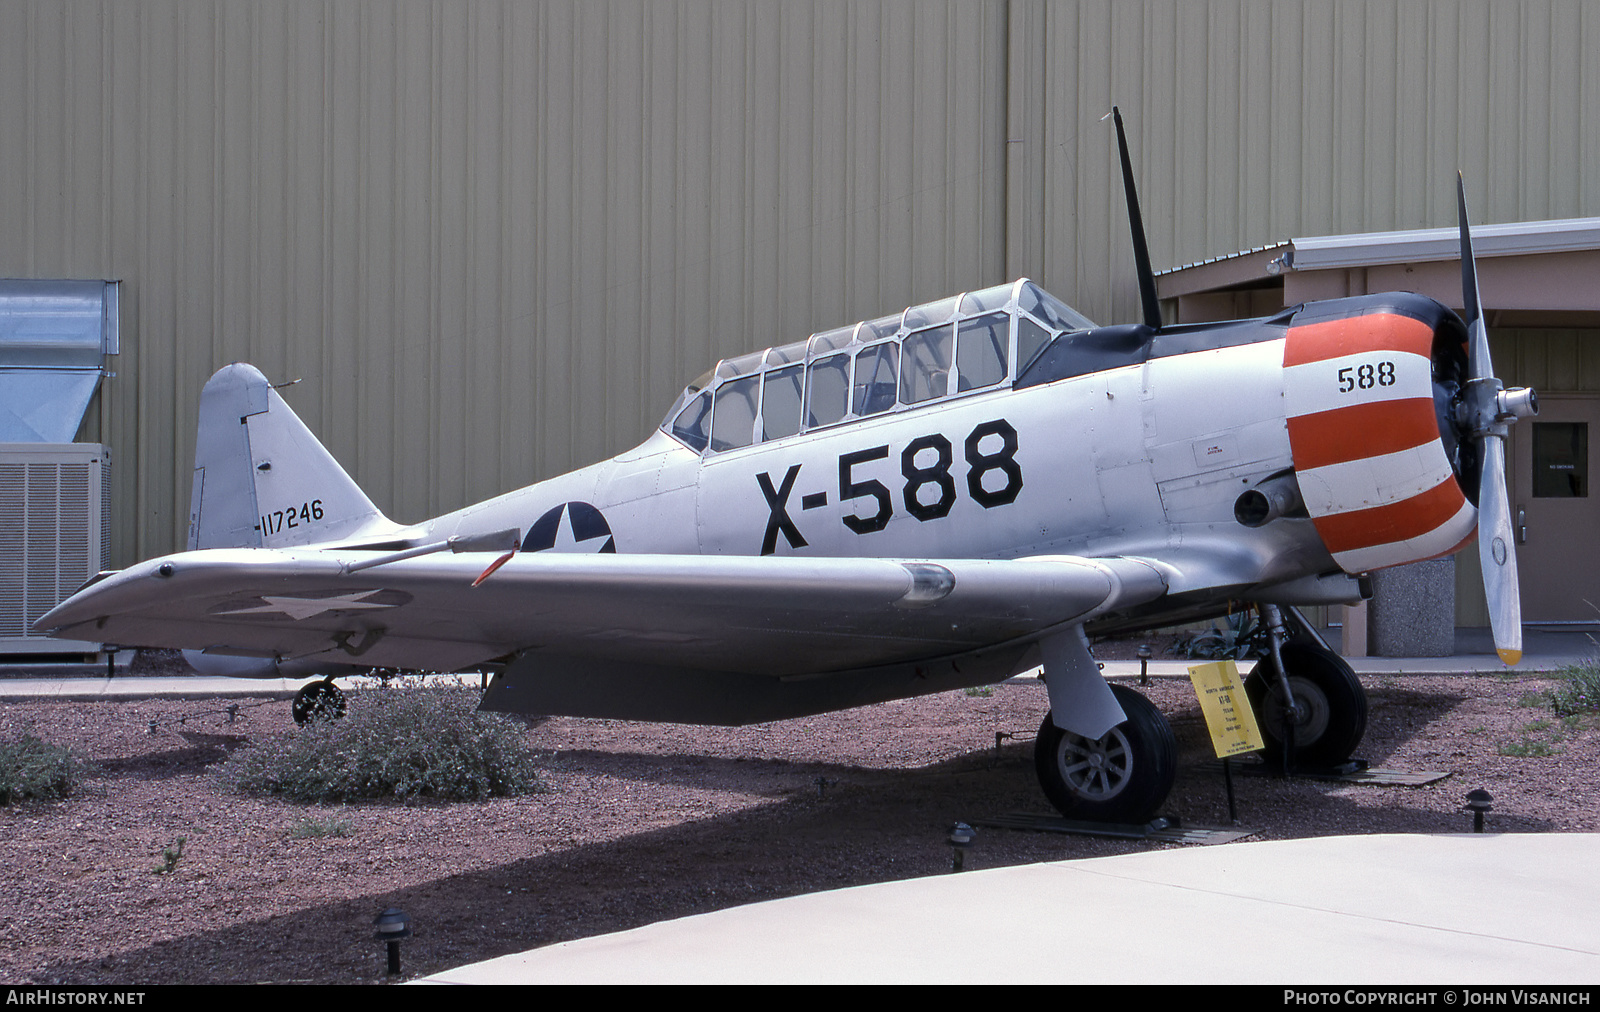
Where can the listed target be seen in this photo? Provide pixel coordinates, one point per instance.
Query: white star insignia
(567, 538)
(299, 608)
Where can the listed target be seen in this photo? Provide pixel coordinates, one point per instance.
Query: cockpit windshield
(964, 344)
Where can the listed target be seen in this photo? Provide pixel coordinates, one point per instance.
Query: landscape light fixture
(390, 926)
(962, 836)
(1478, 802)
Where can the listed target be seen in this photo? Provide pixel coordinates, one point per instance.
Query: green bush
(30, 768)
(395, 743)
(319, 829)
(1579, 691)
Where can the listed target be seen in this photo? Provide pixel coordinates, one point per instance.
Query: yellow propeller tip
(1509, 657)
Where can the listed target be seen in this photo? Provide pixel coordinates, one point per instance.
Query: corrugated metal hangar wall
(495, 238)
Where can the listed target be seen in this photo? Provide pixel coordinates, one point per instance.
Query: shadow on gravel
(869, 826)
(727, 773)
(1396, 712)
(201, 751)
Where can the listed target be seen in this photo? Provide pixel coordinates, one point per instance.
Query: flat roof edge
(1432, 244)
(1366, 249)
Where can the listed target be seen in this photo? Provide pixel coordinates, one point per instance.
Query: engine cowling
(1369, 387)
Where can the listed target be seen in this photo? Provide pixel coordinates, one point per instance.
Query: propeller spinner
(1484, 414)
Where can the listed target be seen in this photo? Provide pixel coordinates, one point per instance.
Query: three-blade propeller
(1485, 412)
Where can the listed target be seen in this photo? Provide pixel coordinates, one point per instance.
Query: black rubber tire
(1335, 705)
(1123, 777)
(316, 700)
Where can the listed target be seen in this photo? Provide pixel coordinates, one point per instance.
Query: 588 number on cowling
(1366, 376)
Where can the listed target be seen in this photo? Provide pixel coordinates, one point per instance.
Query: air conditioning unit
(55, 526)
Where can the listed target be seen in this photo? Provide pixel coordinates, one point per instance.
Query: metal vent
(54, 339)
(54, 528)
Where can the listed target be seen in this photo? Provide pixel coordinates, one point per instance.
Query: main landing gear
(318, 701)
(1123, 776)
(1329, 715)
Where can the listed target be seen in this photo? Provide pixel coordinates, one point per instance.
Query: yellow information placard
(1226, 708)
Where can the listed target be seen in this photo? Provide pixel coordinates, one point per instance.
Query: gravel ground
(642, 823)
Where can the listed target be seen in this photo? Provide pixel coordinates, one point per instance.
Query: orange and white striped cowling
(1365, 438)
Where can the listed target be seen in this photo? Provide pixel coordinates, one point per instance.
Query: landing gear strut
(318, 700)
(1329, 715)
(1123, 776)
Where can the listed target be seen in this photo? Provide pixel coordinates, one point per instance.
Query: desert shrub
(30, 768)
(1243, 638)
(319, 829)
(1579, 691)
(400, 743)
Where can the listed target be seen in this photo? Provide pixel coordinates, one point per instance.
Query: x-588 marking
(992, 478)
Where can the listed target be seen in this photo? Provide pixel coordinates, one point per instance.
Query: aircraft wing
(785, 618)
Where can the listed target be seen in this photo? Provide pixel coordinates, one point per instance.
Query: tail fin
(261, 479)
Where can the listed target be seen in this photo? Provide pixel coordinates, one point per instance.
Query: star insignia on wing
(300, 608)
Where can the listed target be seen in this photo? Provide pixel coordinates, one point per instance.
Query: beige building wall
(493, 239)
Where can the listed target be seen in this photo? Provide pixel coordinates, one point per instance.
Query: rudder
(262, 479)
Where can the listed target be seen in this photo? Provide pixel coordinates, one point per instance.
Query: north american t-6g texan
(938, 498)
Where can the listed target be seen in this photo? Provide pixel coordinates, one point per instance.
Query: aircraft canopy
(963, 344)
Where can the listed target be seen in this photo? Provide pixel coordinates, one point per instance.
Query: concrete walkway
(1336, 910)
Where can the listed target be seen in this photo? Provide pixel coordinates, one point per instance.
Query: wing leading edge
(620, 635)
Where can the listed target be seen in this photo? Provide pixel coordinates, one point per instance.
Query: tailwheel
(318, 701)
(1123, 776)
(1333, 706)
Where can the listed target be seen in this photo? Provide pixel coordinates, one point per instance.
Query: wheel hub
(1096, 769)
(1311, 720)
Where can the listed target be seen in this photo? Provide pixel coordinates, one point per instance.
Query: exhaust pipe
(1276, 497)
